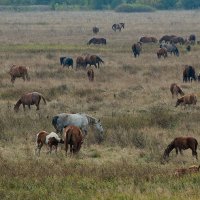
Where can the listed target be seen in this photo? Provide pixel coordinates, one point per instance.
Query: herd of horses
(73, 128)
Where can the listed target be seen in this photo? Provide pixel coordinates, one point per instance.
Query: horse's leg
(180, 150)
(23, 77)
(24, 107)
(29, 106)
(176, 151)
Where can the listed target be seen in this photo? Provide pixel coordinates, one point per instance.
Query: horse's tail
(43, 98)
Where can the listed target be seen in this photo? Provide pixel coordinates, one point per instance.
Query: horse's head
(16, 108)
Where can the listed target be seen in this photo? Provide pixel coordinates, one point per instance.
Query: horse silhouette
(119, 26)
(73, 137)
(17, 72)
(29, 99)
(182, 143)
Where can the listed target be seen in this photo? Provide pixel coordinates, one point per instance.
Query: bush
(134, 8)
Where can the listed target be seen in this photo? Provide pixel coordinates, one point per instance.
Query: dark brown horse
(73, 137)
(175, 90)
(29, 99)
(182, 143)
(119, 26)
(162, 52)
(95, 30)
(90, 74)
(17, 72)
(136, 49)
(166, 38)
(97, 41)
(80, 62)
(189, 73)
(93, 60)
(148, 40)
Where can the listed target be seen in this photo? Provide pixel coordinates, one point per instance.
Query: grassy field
(130, 96)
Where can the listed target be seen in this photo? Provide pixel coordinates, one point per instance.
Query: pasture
(130, 95)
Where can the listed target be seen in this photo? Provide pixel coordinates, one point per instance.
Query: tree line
(109, 4)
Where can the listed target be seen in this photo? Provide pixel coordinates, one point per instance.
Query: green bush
(134, 8)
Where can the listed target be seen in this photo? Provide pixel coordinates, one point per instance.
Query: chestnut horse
(73, 137)
(17, 72)
(29, 99)
(182, 143)
(90, 74)
(175, 90)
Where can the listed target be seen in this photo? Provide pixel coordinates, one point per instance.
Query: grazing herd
(73, 128)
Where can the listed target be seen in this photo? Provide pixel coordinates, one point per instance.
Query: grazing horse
(182, 143)
(171, 48)
(73, 137)
(64, 61)
(90, 74)
(175, 90)
(166, 38)
(29, 99)
(97, 41)
(80, 62)
(17, 72)
(95, 30)
(189, 73)
(118, 26)
(137, 48)
(176, 40)
(50, 139)
(80, 120)
(148, 40)
(93, 60)
(187, 99)
(162, 52)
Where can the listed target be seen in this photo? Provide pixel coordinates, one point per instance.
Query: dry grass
(130, 96)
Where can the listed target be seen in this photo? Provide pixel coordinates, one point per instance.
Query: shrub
(134, 8)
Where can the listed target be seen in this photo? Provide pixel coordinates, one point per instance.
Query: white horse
(80, 120)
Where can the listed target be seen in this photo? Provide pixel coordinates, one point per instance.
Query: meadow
(130, 95)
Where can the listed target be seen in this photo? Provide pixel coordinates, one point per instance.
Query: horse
(17, 72)
(148, 40)
(192, 38)
(29, 99)
(50, 139)
(162, 52)
(80, 120)
(97, 41)
(166, 38)
(136, 49)
(190, 170)
(175, 90)
(187, 99)
(90, 74)
(182, 143)
(118, 26)
(93, 60)
(171, 48)
(64, 61)
(176, 40)
(95, 30)
(80, 62)
(189, 73)
(73, 137)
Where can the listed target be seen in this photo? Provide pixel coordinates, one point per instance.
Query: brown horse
(29, 99)
(187, 99)
(175, 90)
(90, 74)
(50, 139)
(93, 60)
(17, 72)
(182, 143)
(97, 41)
(162, 52)
(80, 62)
(166, 38)
(73, 137)
(148, 40)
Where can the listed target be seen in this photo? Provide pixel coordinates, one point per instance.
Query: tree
(167, 4)
(190, 4)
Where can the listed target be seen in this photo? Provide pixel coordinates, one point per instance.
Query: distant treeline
(106, 4)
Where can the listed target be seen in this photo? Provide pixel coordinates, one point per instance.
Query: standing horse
(80, 120)
(64, 61)
(29, 99)
(93, 60)
(182, 143)
(118, 26)
(90, 74)
(17, 72)
(73, 137)
(95, 30)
